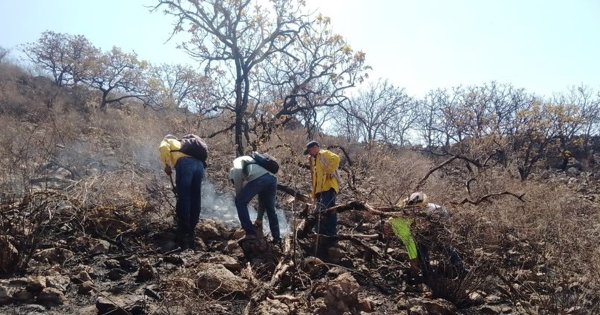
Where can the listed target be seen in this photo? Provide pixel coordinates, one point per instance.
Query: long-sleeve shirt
(168, 152)
(241, 177)
(324, 172)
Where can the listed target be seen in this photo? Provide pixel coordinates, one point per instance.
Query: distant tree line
(266, 64)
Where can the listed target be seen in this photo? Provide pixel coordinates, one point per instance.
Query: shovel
(173, 188)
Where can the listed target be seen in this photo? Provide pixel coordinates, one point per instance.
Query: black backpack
(266, 161)
(194, 146)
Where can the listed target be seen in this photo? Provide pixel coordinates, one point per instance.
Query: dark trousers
(328, 224)
(266, 188)
(189, 174)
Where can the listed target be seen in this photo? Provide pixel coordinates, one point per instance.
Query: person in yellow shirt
(325, 185)
(189, 173)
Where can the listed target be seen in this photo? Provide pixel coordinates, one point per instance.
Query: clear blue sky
(544, 46)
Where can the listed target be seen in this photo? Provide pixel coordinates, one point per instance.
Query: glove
(168, 170)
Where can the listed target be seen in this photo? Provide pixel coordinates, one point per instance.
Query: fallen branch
(294, 193)
(371, 249)
(422, 181)
(358, 205)
(489, 196)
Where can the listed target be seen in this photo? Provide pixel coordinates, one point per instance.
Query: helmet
(417, 199)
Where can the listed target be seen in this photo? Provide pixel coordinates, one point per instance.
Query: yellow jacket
(168, 153)
(324, 172)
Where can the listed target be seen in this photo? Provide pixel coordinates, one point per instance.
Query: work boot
(277, 242)
(191, 241)
(180, 237)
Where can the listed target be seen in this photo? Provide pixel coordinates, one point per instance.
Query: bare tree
(235, 35)
(312, 77)
(65, 57)
(589, 108)
(118, 76)
(381, 112)
(3, 53)
(431, 122)
(277, 61)
(179, 87)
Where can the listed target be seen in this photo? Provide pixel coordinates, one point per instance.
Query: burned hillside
(88, 221)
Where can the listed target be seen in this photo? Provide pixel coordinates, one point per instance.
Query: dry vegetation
(83, 189)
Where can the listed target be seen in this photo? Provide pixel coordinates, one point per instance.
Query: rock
(87, 310)
(58, 281)
(216, 279)
(335, 271)
(79, 269)
(437, 306)
(314, 267)
(366, 305)
(116, 274)
(152, 293)
(342, 293)
(112, 263)
(225, 260)
(54, 255)
(417, 310)
(233, 248)
(31, 309)
(107, 306)
(51, 297)
(175, 260)
(200, 245)
(238, 234)
(83, 276)
(5, 295)
(120, 305)
(18, 282)
(185, 284)
(23, 296)
(129, 264)
(210, 230)
(9, 255)
(476, 298)
(98, 246)
(62, 173)
(36, 284)
(145, 273)
(272, 307)
(86, 287)
(335, 253)
(494, 309)
(493, 299)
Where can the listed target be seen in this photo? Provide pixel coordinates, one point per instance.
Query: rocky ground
(62, 253)
(69, 260)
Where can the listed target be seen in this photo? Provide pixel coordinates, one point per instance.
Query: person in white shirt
(249, 180)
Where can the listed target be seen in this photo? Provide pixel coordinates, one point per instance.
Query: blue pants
(189, 174)
(328, 224)
(266, 188)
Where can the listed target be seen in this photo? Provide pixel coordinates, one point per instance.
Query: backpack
(194, 146)
(266, 161)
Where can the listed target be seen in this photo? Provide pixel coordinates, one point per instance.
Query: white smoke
(221, 206)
